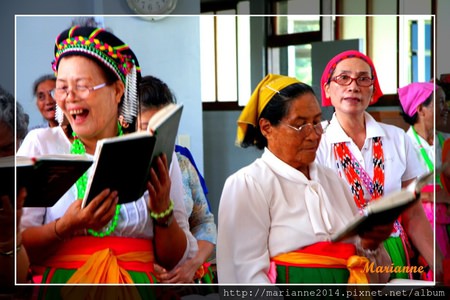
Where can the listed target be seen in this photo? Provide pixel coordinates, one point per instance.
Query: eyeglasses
(82, 91)
(306, 129)
(347, 80)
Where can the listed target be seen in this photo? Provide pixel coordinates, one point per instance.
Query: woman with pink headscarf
(375, 159)
(418, 107)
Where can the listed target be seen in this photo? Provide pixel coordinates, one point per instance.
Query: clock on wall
(157, 8)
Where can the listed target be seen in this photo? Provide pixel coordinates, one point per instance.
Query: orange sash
(103, 260)
(328, 255)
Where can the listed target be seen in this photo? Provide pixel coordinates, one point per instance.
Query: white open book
(385, 209)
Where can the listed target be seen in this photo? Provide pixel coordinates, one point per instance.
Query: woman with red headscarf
(375, 159)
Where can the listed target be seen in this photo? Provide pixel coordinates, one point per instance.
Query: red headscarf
(331, 66)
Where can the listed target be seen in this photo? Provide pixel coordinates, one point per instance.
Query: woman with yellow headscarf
(276, 215)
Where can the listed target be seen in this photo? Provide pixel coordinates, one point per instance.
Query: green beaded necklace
(78, 148)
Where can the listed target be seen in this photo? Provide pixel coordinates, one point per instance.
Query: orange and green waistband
(323, 262)
(102, 260)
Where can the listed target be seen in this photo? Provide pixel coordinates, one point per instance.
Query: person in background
(96, 89)
(154, 94)
(417, 103)
(42, 88)
(375, 159)
(442, 146)
(277, 215)
(13, 128)
(441, 119)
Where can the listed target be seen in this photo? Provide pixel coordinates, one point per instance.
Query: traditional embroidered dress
(442, 151)
(426, 154)
(134, 220)
(442, 218)
(386, 159)
(92, 260)
(269, 208)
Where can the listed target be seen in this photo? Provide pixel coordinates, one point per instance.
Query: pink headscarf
(414, 94)
(331, 66)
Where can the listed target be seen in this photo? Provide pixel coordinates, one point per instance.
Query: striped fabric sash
(326, 255)
(103, 260)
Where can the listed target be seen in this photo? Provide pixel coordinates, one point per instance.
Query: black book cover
(46, 178)
(121, 164)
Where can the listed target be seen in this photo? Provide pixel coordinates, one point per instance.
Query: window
(225, 52)
(290, 52)
(415, 59)
(289, 45)
(405, 56)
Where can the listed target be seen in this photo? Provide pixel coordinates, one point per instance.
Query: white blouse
(400, 160)
(134, 219)
(269, 208)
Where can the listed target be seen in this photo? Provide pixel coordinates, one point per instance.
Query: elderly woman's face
(351, 98)
(96, 114)
(296, 148)
(44, 101)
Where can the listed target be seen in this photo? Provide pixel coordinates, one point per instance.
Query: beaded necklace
(423, 152)
(79, 148)
(425, 156)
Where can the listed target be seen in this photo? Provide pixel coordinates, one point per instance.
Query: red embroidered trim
(353, 172)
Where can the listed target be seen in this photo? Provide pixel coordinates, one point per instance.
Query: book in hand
(384, 210)
(164, 125)
(123, 163)
(46, 178)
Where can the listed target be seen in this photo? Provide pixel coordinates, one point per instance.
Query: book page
(159, 117)
(165, 129)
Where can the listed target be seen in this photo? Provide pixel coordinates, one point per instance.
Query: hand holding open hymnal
(384, 210)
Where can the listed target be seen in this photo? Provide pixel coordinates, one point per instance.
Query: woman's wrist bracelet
(165, 218)
(161, 215)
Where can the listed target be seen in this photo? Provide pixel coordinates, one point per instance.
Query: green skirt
(60, 291)
(291, 274)
(306, 276)
(395, 249)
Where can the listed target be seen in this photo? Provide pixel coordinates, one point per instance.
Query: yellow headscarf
(263, 93)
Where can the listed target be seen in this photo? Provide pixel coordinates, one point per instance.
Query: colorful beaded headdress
(112, 53)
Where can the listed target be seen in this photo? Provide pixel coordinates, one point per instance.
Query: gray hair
(41, 79)
(7, 110)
